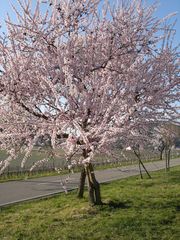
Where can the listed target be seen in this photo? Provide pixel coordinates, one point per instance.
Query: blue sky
(165, 7)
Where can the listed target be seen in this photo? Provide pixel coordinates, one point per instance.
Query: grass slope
(134, 209)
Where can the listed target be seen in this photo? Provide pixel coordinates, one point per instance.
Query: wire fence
(125, 158)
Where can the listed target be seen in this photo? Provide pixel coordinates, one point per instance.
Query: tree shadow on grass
(118, 205)
(178, 208)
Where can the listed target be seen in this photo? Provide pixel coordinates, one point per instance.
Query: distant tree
(83, 76)
(138, 140)
(166, 135)
(161, 147)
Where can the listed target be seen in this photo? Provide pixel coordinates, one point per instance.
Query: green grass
(134, 209)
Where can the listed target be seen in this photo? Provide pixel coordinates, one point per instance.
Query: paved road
(18, 191)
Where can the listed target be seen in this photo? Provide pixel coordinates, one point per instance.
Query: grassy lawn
(134, 209)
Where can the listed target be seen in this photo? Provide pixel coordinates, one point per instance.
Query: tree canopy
(84, 75)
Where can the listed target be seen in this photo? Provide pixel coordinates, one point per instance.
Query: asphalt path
(19, 191)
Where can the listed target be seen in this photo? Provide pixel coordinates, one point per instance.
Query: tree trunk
(166, 160)
(169, 157)
(167, 153)
(82, 178)
(92, 200)
(161, 154)
(140, 169)
(93, 186)
(82, 183)
(161, 148)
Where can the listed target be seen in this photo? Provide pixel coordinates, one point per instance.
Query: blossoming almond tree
(136, 140)
(165, 135)
(83, 76)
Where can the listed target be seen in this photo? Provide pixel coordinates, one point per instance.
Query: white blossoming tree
(83, 75)
(164, 139)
